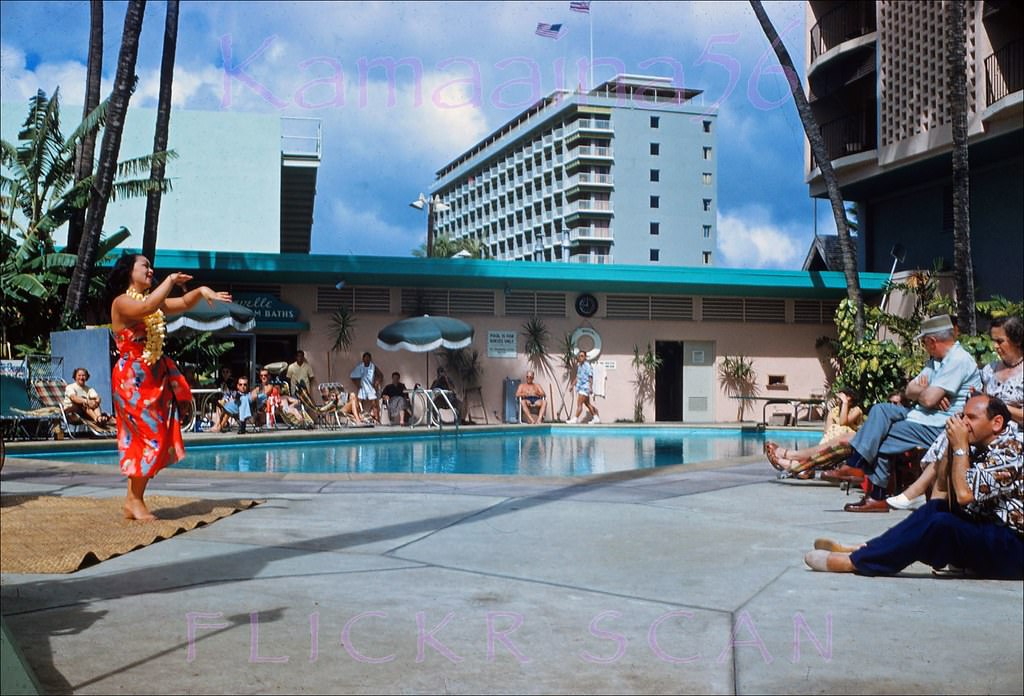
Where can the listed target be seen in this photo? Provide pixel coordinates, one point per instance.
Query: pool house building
(692, 318)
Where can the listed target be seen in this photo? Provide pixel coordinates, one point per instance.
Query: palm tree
(820, 152)
(163, 119)
(124, 85)
(86, 149)
(37, 197)
(956, 75)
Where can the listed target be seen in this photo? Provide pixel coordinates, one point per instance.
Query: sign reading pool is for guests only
(501, 344)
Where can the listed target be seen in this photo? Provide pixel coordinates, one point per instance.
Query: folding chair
(49, 394)
(18, 419)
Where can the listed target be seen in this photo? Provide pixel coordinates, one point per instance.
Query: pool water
(558, 452)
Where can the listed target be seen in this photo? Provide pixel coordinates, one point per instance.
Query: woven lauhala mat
(54, 534)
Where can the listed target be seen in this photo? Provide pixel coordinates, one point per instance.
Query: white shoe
(595, 420)
(572, 421)
(902, 502)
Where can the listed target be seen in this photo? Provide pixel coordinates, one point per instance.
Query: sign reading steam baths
(267, 307)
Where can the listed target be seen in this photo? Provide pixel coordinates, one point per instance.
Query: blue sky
(465, 68)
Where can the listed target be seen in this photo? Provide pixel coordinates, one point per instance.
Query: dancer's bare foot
(137, 510)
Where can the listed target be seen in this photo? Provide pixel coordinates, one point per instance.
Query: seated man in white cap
(940, 390)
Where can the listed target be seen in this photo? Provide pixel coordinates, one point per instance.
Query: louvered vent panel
(698, 403)
(358, 300)
(535, 304)
(471, 302)
(550, 304)
(723, 309)
(520, 304)
(828, 311)
(675, 308)
(628, 307)
(768, 311)
(807, 311)
(416, 302)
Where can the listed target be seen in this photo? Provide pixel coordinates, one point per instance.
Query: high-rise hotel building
(625, 173)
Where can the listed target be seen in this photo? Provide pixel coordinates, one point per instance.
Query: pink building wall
(782, 349)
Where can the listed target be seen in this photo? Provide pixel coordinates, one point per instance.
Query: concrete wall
(914, 218)
(226, 180)
(680, 164)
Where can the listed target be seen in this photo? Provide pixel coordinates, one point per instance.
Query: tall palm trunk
(86, 150)
(828, 174)
(956, 76)
(163, 119)
(124, 85)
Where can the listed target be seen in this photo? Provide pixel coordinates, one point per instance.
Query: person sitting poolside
(531, 398)
(396, 398)
(842, 422)
(239, 404)
(445, 384)
(940, 390)
(975, 519)
(83, 402)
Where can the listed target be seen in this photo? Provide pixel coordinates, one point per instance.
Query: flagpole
(590, 20)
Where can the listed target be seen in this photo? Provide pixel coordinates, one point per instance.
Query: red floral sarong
(148, 427)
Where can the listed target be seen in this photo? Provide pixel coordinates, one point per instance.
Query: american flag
(580, 6)
(550, 31)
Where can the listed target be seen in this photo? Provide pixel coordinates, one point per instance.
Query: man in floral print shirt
(977, 525)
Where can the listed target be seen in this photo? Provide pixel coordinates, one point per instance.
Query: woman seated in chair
(81, 402)
(841, 424)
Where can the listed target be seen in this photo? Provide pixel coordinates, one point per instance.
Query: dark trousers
(885, 433)
(938, 537)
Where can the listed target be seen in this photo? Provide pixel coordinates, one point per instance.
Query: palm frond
(138, 188)
(142, 165)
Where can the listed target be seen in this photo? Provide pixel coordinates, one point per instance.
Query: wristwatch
(960, 452)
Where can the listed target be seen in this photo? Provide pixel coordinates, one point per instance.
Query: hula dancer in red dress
(145, 382)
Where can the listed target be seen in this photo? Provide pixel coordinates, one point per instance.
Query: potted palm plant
(736, 375)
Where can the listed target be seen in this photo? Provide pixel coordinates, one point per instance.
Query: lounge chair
(48, 392)
(20, 419)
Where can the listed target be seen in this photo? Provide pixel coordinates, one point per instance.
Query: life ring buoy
(579, 333)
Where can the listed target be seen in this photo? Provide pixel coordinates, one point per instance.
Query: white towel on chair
(600, 378)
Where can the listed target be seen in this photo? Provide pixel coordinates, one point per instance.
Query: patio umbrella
(221, 315)
(425, 334)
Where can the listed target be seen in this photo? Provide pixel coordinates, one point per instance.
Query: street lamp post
(433, 206)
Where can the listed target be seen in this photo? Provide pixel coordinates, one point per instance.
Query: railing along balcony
(849, 135)
(588, 205)
(591, 258)
(1004, 72)
(589, 233)
(845, 22)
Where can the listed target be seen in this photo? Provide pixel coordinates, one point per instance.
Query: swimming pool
(554, 452)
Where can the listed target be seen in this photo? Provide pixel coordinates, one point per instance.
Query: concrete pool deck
(677, 580)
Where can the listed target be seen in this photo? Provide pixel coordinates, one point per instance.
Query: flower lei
(156, 329)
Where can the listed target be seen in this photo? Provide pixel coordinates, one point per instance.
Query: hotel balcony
(849, 135)
(846, 22)
(589, 125)
(1004, 72)
(591, 234)
(591, 258)
(588, 207)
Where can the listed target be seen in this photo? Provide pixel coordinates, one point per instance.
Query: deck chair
(48, 392)
(19, 419)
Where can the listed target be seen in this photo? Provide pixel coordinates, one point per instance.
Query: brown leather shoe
(844, 473)
(867, 504)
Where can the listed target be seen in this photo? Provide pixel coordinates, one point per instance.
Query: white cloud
(749, 239)
(351, 230)
(18, 84)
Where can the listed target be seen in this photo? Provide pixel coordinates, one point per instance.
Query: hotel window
(707, 205)
(655, 148)
(654, 121)
(655, 175)
(706, 178)
(707, 258)
(707, 153)
(707, 126)
(655, 200)
(707, 231)
(655, 228)
(655, 253)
